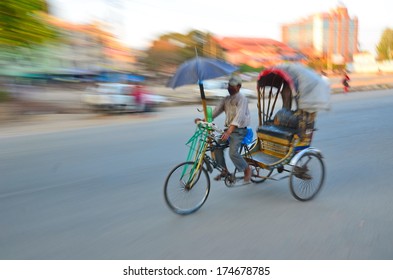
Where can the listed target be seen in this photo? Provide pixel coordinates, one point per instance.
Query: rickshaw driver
(235, 106)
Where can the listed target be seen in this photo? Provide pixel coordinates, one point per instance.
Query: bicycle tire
(183, 197)
(307, 177)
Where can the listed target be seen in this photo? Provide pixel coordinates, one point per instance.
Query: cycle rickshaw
(289, 97)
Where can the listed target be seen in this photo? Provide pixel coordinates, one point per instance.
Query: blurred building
(365, 62)
(332, 35)
(257, 52)
(90, 47)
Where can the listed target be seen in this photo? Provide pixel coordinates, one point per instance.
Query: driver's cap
(235, 81)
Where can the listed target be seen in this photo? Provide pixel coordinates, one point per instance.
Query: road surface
(96, 192)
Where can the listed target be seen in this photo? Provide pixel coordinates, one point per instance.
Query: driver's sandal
(221, 176)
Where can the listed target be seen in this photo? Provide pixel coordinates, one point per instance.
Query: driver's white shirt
(236, 110)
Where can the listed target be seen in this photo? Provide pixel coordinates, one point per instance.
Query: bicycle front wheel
(186, 189)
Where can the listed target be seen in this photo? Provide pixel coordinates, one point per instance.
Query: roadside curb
(19, 113)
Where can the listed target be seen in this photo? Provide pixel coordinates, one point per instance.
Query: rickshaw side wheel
(257, 171)
(307, 176)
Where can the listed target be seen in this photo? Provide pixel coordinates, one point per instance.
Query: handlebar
(209, 126)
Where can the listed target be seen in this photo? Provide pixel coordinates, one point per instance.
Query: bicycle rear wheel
(186, 189)
(307, 177)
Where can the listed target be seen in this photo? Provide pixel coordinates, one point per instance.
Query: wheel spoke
(186, 189)
(307, 177)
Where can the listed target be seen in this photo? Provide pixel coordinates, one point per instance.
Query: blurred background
(54, 51)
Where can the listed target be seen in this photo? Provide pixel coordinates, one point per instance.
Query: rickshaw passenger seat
(277, 131)
(284, 125)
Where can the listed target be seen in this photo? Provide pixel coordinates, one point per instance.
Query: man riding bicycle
(235, 106)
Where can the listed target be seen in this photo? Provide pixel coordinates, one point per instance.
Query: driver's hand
(197, 120)
(225, 136)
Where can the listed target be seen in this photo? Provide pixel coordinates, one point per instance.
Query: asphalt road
(96, 192)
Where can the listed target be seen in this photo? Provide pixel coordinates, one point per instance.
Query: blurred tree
(385, 46)
(244, 68)
(171, 49)
(164, 53)
(21, 23)
(22, 27)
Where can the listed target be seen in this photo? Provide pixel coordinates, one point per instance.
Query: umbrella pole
(201, 89)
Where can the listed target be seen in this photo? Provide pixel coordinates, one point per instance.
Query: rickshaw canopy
(310, 91)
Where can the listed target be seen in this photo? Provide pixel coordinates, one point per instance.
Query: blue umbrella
(197, 70)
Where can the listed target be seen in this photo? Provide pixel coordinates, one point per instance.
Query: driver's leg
(220, 159)
(236, 139)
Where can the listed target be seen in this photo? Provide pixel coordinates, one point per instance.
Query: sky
(138, 22)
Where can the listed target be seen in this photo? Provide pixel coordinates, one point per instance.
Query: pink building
(257, 52)
(332, 35)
